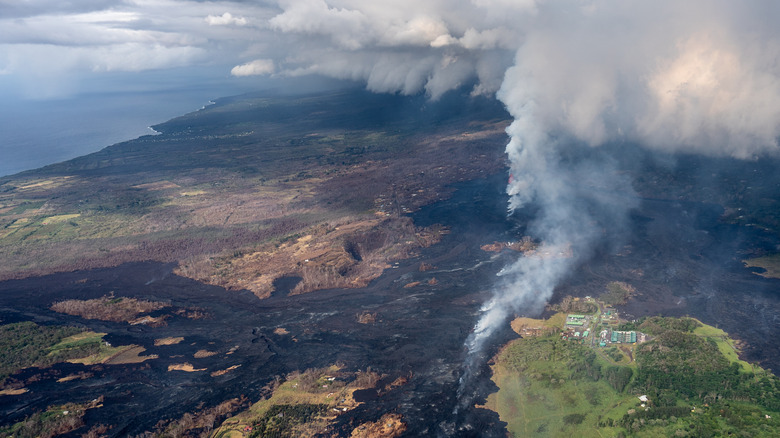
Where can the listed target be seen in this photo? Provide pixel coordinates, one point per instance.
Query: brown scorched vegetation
(108, 308)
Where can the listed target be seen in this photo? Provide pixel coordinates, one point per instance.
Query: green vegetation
(199, 423)
(303, 405)
(49, 423)
(682, 364)
(551, 387)
(280, 420)
(26, 344)
(617, 292)
(54, 421)
(23, 206)
(614, 354)
(726, 345)
(571, 304)
(658, 325)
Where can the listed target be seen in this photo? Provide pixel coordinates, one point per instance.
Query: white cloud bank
(257, 67)
(225, 19)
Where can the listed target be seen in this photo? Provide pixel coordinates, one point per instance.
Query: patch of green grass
(726, 346)
(78, 340)
(545, 401)
(102, 353)
(25, 344)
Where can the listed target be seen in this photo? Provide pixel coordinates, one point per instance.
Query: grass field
(726, 345)
(78, 340)
(544, 401)
(556, 388)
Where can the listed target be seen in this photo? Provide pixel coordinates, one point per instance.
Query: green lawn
(726, 345)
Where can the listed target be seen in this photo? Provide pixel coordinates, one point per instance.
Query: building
(575, 320)
(623, 337)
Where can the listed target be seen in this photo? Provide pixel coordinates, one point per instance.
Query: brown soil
(81, 375)
(389, 426)
(17, 391)
(225, 371)
(200, 354)
(168, 341)
(525, 245)
(184, 367)
(130, 355)
(366, 318)
(400, 381)
(151, 321)
(346, 253)
(426, 267)
(529, 327)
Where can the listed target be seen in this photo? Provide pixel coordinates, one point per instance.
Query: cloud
(256, 67)
(675, 76)
(43, 40)
(225, 19)
(700, 76)
(713, 96)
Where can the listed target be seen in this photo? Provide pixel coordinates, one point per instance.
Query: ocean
(37, 133)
